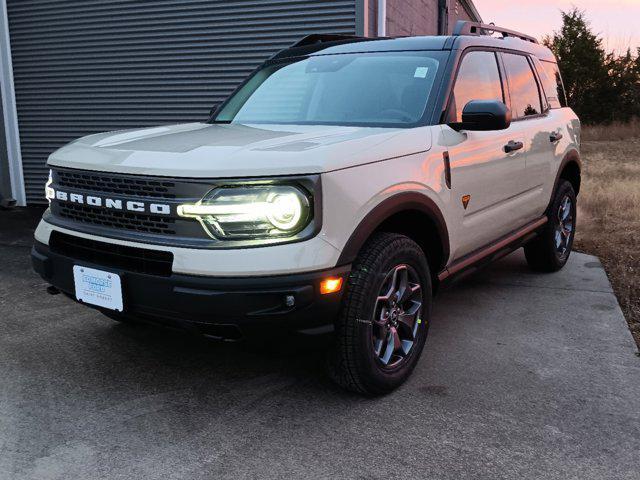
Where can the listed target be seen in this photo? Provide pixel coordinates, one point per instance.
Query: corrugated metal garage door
(89, 66)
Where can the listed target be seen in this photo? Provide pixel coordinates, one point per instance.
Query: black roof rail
(473, 28)
(318, 38)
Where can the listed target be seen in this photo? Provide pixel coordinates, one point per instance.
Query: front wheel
(550, 251)
(383, 323)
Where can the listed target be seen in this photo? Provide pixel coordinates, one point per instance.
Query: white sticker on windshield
(421, 72)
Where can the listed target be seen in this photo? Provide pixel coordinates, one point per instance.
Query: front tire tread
(345, 360)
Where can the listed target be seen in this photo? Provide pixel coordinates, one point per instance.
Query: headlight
(49, 192)
(252, 212)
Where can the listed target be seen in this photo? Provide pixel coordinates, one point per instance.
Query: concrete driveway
(523, 376)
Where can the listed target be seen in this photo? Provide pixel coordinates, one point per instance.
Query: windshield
(374, 89)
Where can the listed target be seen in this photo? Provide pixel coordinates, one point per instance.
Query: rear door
(486, 181)
(530, 111)
(559, 124)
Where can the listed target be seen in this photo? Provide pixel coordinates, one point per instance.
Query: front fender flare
(401, 202)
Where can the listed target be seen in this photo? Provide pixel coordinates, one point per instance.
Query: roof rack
(317, 38)
(473, 28)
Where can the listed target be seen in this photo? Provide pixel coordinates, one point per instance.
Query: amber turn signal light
(330, 285)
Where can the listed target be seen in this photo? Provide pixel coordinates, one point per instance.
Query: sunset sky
(616, 21)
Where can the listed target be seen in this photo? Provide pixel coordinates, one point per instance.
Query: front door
(487, 168)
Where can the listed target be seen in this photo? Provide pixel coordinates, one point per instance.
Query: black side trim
(401, 202)
(493, 251)
(447, 168)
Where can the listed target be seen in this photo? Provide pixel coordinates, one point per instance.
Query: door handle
(555, 136)
(513, 146)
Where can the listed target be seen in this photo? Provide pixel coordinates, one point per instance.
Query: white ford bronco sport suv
(333, 192)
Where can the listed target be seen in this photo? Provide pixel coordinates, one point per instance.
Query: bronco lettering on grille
(112, 203)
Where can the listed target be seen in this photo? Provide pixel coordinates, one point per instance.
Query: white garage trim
(471, 10)
(9, 110)
(382, 18)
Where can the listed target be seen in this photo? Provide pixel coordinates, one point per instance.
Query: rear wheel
(383, 324)
(550, 251)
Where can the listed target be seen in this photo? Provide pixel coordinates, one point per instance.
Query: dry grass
(609, 210)
(615, 131)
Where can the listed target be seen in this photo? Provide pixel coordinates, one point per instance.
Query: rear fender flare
(572, 156)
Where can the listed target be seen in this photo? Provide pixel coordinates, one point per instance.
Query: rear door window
(523, 87)
(478, 79)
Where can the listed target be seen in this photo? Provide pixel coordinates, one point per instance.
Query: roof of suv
(337, 44)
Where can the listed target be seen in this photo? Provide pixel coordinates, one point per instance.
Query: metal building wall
(86, 66)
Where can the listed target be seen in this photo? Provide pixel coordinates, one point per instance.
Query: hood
(235, 150)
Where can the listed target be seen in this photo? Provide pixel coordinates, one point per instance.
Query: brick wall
(456, 12)
(412, 17)
(373, 17)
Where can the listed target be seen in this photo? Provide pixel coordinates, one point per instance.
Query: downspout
(443, 17)
(382, 18)
(10, 116)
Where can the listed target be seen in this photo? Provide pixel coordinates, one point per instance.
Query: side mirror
(214, 109)
(484, 115)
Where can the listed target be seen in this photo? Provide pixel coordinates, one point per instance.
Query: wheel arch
(412, 214)
(570, 169)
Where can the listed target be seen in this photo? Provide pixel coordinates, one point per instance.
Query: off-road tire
(541, 252)
(352, 361)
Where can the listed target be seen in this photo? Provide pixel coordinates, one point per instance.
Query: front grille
(117, 219)
(118, 185)
(132, 259)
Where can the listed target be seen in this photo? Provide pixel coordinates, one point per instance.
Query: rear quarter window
(552, 84)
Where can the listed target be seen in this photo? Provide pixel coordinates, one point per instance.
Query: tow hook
(51, 290)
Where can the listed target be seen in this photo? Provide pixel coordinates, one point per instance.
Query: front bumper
(230, 308)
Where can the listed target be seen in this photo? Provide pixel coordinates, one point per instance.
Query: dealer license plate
(97, 287)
